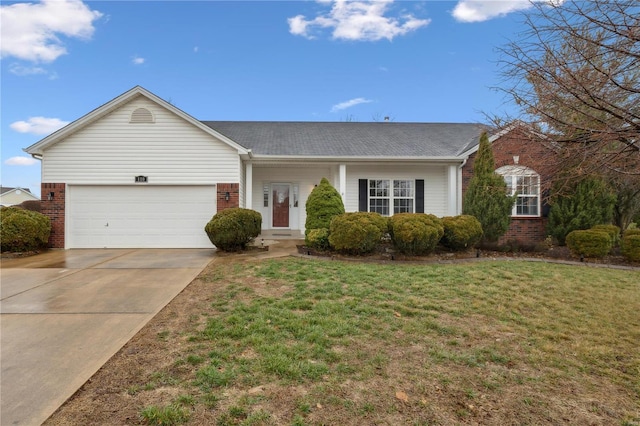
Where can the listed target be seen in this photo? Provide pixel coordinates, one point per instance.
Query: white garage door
(139, 216)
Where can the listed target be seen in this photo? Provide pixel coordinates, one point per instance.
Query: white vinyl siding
(169, 151)
(139, 216)
(435, 183)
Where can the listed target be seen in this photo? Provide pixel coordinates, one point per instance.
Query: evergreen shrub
(323, 204)
(23, 230)
(589, 243)
(630, 246)
(232, 229)
(612, 230)
(461, 232)
(317, 238)
(415, 233)
(356, 233)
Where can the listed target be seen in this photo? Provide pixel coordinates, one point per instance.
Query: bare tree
(574, 73)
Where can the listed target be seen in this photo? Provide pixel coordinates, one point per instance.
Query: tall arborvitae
(487, 198)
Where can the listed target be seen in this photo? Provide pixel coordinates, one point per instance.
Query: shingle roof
(349, 139)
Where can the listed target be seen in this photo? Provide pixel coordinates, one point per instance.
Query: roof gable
(39, 147)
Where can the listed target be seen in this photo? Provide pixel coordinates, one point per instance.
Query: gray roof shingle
(349, 139)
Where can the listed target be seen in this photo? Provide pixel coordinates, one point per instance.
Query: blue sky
(414, 61)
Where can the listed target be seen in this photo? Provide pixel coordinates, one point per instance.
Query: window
(385, 201)
(524, 182)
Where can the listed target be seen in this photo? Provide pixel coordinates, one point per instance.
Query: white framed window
(525, 183)
(388, 196)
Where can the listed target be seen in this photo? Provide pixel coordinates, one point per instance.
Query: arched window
(524, 182)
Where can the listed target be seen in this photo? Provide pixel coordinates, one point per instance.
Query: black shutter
(363, 187)
(419, 195)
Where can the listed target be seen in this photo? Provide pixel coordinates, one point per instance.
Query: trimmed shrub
(323, 204)
(356, 233)
(317, 238)
(461, 232)
(23, 230)
(612, 230)
(589, 243)
(415, 233)
(232, 229)
(633, 231)
(630, 246)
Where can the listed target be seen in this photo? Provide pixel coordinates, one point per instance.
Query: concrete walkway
(64, 313)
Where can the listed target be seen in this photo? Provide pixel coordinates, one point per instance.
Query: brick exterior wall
(55, 210)
(524, 232)
(234, 196)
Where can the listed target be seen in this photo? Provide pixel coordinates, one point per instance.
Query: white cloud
(357, 20)
(30, 31)
(137, 60)
(349, 104)
(22, 71)
(38, 125)
(20, 161)
(483, 10)
(195, 49)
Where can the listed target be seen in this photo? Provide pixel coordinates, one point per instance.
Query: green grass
(529, 339)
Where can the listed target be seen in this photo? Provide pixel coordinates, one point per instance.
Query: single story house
(14, 196)
(139, 172)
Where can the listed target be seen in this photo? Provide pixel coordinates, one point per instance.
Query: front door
(280, 213)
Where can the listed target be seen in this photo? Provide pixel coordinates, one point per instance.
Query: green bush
(461, 232)
(23, 230)
(415, 233)
(323, 204)
(630, 246)
(612, 230)
(589, 243)
(633, 231)
(317, 238)
(356, 233)
(232, 229)
(591, 202)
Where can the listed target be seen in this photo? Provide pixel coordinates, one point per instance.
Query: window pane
(527, 206)
(379, 205)
(402, 205)
(403, 188)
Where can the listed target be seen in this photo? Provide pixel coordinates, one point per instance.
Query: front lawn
(306, 342)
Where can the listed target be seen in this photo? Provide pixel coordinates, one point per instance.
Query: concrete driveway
(64, 313)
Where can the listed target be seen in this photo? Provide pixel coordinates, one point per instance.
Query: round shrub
(356, 233)
(232, 229)
(415, 233)
(323, 204)
(630, 246)
(23, 230)
(461, 232)
(612, 230)
(318, 238)
(589, 243)
(634, 231)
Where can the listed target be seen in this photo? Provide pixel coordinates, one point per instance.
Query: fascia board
(378, 159)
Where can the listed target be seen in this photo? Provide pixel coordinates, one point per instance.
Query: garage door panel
(139, 216)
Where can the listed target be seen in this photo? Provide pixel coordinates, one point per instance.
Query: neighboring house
(13, 196)
(139, 172)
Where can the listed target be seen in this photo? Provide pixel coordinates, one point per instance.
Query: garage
(143, 216)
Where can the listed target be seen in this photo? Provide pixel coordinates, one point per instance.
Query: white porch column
(342, 176)
(452, 193)
(248, 185)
